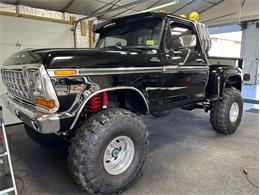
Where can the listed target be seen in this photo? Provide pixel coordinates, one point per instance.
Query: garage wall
(250, 51)
(20, 33)
(82, 41)
(226, 44)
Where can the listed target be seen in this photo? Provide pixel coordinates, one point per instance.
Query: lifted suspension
(97, 102)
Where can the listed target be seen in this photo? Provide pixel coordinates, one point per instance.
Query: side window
(180, 42)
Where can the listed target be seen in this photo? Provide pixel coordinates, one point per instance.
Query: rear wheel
(225, 115)
(108, 151)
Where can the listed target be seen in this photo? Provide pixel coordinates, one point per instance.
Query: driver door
(185, 67)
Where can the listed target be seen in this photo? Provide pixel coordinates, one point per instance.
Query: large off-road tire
(108, 151)
(43, 139)
(226, 114)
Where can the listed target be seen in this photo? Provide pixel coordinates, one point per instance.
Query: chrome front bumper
(44, 123)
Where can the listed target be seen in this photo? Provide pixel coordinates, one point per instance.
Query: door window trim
(198, 47)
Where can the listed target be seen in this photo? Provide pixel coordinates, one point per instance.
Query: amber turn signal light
(46, 103)
(68, 72)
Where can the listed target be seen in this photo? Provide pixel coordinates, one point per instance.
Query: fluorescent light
(63, 58)
(161, 6)
(176, 33)
(179, 29)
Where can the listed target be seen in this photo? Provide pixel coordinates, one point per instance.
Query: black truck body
(158, 82)
(145, 63)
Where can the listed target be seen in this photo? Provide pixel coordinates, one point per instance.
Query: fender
(218, 79)
(87, 96)
(233, 75)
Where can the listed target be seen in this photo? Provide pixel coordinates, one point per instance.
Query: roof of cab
(100, 26)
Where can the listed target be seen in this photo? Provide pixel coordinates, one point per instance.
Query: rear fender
(220, 79)
(233, 80)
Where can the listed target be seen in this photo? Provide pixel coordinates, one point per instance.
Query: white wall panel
(28, 33)
(250, 52)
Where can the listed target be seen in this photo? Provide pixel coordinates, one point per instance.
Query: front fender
(88, 95)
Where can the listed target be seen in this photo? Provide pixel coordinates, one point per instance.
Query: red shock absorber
(94, 103)
(98, 101)
(104, 100)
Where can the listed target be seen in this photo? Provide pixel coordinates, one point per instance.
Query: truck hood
(84, 58)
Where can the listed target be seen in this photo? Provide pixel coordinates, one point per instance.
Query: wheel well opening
(234, 81)
(127, 99)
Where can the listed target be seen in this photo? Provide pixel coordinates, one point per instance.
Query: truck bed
(214, 60)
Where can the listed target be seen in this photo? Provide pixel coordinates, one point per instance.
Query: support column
(250, 50)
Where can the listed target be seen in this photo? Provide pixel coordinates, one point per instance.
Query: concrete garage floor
(186, 157)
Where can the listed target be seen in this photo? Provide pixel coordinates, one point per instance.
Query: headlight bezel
(45, 91)
(34, 80)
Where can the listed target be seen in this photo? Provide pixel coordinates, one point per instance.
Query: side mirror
(188, 41)
(246, 77)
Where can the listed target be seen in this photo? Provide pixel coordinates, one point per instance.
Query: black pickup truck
(142, 64)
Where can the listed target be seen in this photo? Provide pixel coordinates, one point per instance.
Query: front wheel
(108, 151)
(225, 115)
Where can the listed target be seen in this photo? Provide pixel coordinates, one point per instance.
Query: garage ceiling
(85, 7)
(213, 12)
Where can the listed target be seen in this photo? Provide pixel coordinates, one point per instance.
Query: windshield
(138, 33)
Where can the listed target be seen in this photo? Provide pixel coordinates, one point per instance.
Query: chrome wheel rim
(234, 111)
(118, 155)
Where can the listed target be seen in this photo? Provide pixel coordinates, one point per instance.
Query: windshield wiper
(135, 49)
(114, 46)
(132, 49)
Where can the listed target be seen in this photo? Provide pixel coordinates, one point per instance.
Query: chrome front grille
(15, 82)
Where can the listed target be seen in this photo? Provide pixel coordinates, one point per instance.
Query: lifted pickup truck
(141, 64)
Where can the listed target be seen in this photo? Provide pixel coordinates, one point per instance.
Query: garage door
(20, 33)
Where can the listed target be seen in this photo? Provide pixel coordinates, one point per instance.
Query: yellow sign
(194, 16)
